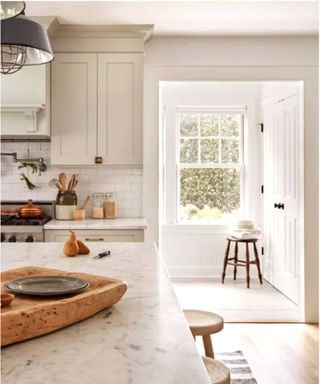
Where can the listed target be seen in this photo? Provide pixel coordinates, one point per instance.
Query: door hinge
(262, 189)
(262, 250)
(261, 127)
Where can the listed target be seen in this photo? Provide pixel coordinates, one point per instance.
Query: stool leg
(248, 265)
(235, 261)
(256, 255)
(225, 262)
(208, 346)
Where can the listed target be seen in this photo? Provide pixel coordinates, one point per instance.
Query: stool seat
(217, 371)
(235, 239)
(202, 322)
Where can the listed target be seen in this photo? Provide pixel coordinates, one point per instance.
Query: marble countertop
(143, 339)
(122, 223)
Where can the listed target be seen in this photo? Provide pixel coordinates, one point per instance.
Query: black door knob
(276, 205)
(12, 239)
(281, 206)
(29, 239)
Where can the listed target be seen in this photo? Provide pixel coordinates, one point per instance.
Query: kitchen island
(143, 339)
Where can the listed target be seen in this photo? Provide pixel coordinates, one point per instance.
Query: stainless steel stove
(17, 229)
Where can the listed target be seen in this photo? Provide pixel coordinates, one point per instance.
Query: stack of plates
(244, 225)
(245, 229)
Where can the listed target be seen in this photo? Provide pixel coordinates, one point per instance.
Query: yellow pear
(83, 249)
(71, 247)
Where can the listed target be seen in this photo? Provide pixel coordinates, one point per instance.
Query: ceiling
(186, 18)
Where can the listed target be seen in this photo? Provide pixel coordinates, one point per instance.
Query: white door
(120, 108)
(281, 197)
(74, 108)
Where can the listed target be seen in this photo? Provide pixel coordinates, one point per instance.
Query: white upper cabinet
(25, 87)
(120, 108)
(25, 103)
(74, 109)
(97, 109)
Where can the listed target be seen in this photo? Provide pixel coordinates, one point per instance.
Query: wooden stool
(241, 263)
(204, 324)
(217, 371)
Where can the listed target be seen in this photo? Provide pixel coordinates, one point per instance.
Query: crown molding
(45, 21)
(143, 31)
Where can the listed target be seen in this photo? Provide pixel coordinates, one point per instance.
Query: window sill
(195, 228)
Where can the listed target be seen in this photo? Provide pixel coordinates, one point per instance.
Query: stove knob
(29, 239)
(3, 237)
(12, 239)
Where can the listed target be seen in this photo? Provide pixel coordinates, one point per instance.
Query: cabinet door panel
(90, 236)
(74, 107)
(120, 108)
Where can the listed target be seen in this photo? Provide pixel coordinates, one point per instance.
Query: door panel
(120, 108)
(74, 103)
(281, 224)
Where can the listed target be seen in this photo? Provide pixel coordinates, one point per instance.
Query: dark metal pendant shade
(9, 9)
(23, 42)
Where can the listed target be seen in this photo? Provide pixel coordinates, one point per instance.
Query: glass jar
(110, 206)
(97, 206)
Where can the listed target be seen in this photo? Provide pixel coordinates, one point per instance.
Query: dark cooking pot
(28, 211)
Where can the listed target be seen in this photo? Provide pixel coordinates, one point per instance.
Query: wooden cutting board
(30, 316)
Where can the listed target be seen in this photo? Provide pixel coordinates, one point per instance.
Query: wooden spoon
(70, 185)
(63, 181)
(86, 201)
(76, 176)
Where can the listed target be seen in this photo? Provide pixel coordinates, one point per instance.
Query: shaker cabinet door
(120, 108)
(74, 109)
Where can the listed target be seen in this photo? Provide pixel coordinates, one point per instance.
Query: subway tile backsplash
(126, 182)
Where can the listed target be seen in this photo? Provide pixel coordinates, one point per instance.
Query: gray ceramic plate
(47, 285)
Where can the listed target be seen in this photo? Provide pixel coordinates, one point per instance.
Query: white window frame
(238, 166)
(168, 139)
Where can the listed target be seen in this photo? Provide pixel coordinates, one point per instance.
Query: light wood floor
(277, 353)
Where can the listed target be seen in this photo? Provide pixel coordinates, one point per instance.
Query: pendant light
(9, 9)
(23, 42)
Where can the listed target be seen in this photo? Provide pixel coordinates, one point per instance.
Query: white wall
(193, 250)
(237, 59)
(125, 182)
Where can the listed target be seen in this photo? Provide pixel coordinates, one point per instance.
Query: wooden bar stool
(241, 263)
(204, 324)
(217, 371)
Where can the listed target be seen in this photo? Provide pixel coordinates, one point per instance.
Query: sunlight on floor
(234, 302)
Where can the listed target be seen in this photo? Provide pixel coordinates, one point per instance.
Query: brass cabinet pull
(100, 239)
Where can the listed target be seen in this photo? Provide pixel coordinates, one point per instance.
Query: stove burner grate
(16, 220)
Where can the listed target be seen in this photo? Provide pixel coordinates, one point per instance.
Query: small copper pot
(28, 211)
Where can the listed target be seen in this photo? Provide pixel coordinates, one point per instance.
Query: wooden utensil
(70, 185)
(86, 201)
(75, 181)
(63, 181)
(72, 181)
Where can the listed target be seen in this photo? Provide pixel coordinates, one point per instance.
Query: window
(209, 164)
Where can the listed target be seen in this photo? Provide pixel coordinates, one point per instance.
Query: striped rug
(238, 366)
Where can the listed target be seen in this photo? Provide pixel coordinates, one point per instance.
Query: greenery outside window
(210, 164)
